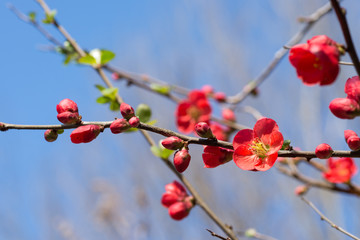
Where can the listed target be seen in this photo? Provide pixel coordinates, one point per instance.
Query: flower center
(259, 148)
(194, 112)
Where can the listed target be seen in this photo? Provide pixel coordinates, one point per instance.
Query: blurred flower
(301, 190)
(257, 149)
(228, 114)
(317, 61)
(340, 170)
(192, 110)
(219, 131)
(177, 200)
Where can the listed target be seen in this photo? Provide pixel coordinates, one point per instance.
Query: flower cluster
(68, 112)
(257, 149)
(176, 199)
(349, 107)
(317, 61)
(122, 124)
(340, 170)
(352, 140)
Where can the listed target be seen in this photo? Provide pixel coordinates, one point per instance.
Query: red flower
(352, 88)
(215, 156)
(192, 110)
(317, 61)
(85, 134)
(177, 200)
(340, 170)
(218, 131)
(257, 149)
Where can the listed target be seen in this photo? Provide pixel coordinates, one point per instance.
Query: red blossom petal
(352, 88)
(265, 126)
(275, 140)
(245, 159)
(243, 137)
(196, 95)
(267, 163)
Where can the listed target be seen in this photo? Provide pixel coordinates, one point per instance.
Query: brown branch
(346, 32)
(279, 55)
(217, 235)
(323, 217)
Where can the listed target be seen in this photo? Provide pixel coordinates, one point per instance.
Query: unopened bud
(50, 135)
(66, 105)
(134, 122)
(228, 114)
(349, 133)
(119, 126)
(69, 117)
(179, 210)
(127, 111)
(301, 190)
(207, 89)
(85, 134)
(172, 143)
(323, 151)
(182, 160)
(203, 130)
(220, 96)
(115, 76)
(344, 108)
(354, 143)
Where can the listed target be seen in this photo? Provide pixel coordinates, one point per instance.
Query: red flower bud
(127, 111)
(67, 105)
(352, 88)
(69, 117)
(179, 210)
(207, 89)
(215, 156)
(134, 122)
(228, 114)
(172, 143)
(301, 190)
(349, 133)
(344, 108)
(182, 160)
(85, 134)
(323, 151)
(354, 143)
(220, 96)
(119, 126)
(50, 135)
(115, 76)
(203, 130)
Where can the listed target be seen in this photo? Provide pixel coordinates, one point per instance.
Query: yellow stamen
(259, 148)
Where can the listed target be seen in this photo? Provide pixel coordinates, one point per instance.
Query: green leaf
(152, 122)
(60, 131)
(161, 152)
(110, 93)
(103, 100)
(286, 145)
(88, 59)
(106, 56)
(32, 16)
(114, 106)
(131, 130)
(49, 18)
(100, 87)
(162, 89)
(143, 111)
(70, 57)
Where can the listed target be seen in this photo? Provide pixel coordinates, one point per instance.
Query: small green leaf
(60, 131)
(143, 111)
(152, 122)
(162, 89)
(103, 100)
(32, 16)
(49, 18)
(100, 87)
(106, 56)
(166, 153)
(114, 106)
(70, 57)
(156, 151)
(286, 145)
(161, 152)
(131, 130)
(88, 59)
(110, 93)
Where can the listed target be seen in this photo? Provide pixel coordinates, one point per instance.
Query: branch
(346, 32)
(323, 217)
(280, 55)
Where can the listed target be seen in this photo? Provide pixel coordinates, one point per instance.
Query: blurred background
(111, 188)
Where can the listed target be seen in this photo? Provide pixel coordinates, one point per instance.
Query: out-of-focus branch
(350, 48)
(313, 18)
(323, 217)
(355, 190)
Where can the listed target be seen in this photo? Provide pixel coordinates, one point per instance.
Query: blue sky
(189, 43)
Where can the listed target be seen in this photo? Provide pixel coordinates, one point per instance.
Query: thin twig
(279, 55)
(217, 235)
(323, 217)
(346, 32)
